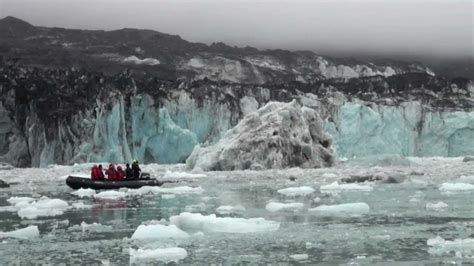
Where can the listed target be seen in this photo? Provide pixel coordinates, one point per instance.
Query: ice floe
(346, 209)
(278, 206)
(44, 207)
(95, 227)
(23, 233)
(83, 193)
(461, 247)
(161, 190)
(299, 257)
(110, 195)
(296, 191)
(181, 175)
(335, 187)
(158, 231)
(439, 206)
(80, 205)
(455, 187)
(211, 223)
(166, 255)
(230, 209)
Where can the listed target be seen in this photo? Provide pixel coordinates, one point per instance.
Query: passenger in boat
(120, 174)
(100, 173)
(128, 172)
(111, 173)
(95, 172)
(136, 169)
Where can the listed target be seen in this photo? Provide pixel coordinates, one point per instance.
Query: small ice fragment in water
(81, 205)
(82, 193)
(110, 195)
(347, 209)
(455, 187)
(278, 206)
(24, 233)
(299, 257)
(179, 175)
(440, 206)
(140, 256)
(158, 231)
(211, 223)
(42, 208)
(230, 209)
(296, 191)
(335, 187)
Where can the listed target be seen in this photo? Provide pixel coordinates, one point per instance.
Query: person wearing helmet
(120, 175)
(136, 169)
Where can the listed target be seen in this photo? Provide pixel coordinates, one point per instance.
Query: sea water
(244, 216)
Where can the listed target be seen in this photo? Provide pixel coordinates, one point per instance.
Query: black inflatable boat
(76, 182)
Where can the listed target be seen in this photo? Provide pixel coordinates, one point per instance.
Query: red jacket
(94, 173)
(111, 173)
(120, 174)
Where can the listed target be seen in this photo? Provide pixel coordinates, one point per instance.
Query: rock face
(278, 135)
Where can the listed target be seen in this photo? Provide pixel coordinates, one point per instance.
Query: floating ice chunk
(146, 61)
(296, 191)
(347, 209)
(335, 187)
(110, 195)
(158, 231)
(95, 227)
(456, 187)
(20, 200)
(278, 206)
(317, 200)
(42, 208)
(181, 190)
(24, 233)
(467, 179)
(179, 175)
(329, 175)
(440, 247)
(299, 257)
(166, 255)
(168, 196)
(211, 223)
(230, 209)
(440, 206)
(80, 205)
(172, 190)
(82, 193)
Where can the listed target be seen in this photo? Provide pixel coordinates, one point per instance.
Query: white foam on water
(211, 223)
(158, 231)
(346, 209)
(279, 206)
(296, 191)
(166, 255)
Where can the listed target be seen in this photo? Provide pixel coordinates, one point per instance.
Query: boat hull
(75, 182)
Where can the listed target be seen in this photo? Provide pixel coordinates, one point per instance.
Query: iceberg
(278, 135)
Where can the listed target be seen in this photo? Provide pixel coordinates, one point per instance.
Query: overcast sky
(386, 27)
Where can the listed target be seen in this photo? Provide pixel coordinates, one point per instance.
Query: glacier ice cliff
(73, 115)
(278, 135)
